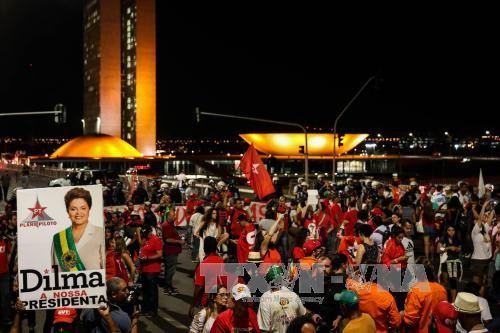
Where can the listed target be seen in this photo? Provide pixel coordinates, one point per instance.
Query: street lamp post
(306, 149)
(334, 171)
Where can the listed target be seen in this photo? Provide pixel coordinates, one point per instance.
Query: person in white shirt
(278, 306)
(481, 240)
(195, 222)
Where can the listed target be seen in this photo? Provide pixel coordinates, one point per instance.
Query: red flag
(255, 171)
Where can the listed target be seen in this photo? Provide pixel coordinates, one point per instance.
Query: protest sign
(61, 247)
(312, 197)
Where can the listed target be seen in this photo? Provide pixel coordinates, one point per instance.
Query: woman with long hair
(210, 226)
(125, 266)
(428, 219)
(452, 266)
(367, 250)
(217, 303)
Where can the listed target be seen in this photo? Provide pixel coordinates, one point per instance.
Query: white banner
(62, 256)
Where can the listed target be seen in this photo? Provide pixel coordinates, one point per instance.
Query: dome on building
(96, 146)
(286, 145)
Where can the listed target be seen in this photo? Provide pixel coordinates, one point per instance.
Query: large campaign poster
(61, 256)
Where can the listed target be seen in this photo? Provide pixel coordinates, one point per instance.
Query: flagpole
(306, 149)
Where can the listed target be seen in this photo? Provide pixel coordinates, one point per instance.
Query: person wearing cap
(64, 319)
(469, 313)
(356, 321)
(445, 318)
(422, 298)
(240, 318)
(312, 250)
(297, 188)
(279, 305)
(376, 301)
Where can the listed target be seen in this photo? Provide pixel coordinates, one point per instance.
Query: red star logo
(37, 210)
(46, 271)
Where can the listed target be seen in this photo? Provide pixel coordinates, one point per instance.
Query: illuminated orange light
(287, 144)
(96, 146)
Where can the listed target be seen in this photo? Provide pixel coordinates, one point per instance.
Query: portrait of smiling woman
(80, 246)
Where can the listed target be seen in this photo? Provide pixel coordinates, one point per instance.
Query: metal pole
(28, 113)
(334, 170)
(306, 150)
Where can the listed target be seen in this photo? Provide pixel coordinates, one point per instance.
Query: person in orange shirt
(376, 302)
(422, 298)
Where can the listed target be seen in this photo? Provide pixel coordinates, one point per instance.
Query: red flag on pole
(255, 171)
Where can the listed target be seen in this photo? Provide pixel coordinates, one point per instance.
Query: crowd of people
(345, 236)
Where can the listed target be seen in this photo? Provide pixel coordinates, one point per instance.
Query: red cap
(377, 211)
(310, 245)
(64, 315)
(247, 200)
(446, 317)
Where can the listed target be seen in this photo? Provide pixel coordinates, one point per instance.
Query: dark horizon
(297, 64)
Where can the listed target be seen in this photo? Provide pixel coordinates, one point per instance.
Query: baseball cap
(348, 297)
(310, 245)
(445, 316)
(64, 315)
(377, 211)
(274, 272)
(240, 291)
(247, 200)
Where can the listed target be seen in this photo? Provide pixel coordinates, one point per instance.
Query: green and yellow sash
(66, 252)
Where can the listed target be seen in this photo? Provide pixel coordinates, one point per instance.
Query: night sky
(300, 63)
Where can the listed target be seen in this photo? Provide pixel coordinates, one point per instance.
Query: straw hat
(467, 303)
(254, 257)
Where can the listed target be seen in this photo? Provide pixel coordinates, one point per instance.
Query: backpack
(385, 234)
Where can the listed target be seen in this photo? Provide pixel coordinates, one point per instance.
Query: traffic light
(341, 138)
(301, 149)
(197, 114)
(60, 117)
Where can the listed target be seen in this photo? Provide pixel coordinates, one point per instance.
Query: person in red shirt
(209, 273)
(349, 219)
(298, 251)
(172, 246)
(150, 257)
(394, 252)
(336, 210)
(241, 318)
(5, 309)
(110, 258)
(247, 239)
